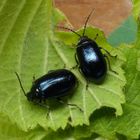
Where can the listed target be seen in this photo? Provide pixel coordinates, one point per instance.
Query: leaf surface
(103, 121)
(136, 8)
(9, 131)
(29, 46)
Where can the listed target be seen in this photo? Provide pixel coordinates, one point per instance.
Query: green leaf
(22, 23)
(88, 99)
(9, 131)
(29, 47)
(60, 135)
(125, 33)
(69, 39)
(136, 8)
(104, 122)
(70, 134)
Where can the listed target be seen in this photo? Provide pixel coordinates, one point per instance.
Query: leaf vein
(84, 103)
(3, 5)
(10, 30)
(20, 60)
(94, 96)
(63, 58)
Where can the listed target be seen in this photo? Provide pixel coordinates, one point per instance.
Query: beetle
(53, 85)
(90, 60)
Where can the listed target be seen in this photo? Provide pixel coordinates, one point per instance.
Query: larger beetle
(53, 85)
(90, 60)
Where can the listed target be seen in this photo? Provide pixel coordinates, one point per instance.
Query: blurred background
(108, 15)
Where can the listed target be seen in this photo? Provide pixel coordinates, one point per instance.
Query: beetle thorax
(83, 40)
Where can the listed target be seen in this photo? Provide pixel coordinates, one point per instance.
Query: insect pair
(58, 83)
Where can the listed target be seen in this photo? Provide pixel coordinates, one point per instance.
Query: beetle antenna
(20, 83)
(69, 30)
(87, 21)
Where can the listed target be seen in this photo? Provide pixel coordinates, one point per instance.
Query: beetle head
(33, 95)
(83, 40)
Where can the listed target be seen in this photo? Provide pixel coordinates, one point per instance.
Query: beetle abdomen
(92, 62)
(56, 84)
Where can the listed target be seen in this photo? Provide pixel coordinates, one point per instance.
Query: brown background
(107, 16)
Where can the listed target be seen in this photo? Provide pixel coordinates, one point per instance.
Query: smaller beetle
(90, 60)
(55, 84)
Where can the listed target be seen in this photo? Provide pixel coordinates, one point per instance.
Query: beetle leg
(41, 104)
(48, 112)
(109, 64)
(73, 46)
(69, 104)
(79, 69)
(76, 58)
(45, 106)
(64, 66)
(74, 67)
(107, 52)
(33, 79)
(96, 36)
(87, 82)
